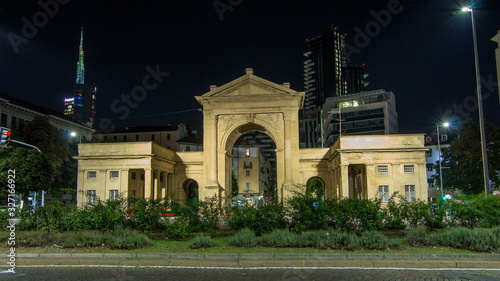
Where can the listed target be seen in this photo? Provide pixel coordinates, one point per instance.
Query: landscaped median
(304, 231)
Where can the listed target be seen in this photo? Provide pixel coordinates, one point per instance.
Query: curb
(232, 257)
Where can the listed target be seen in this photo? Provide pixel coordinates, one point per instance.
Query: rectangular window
(132, 175)
(383, 193)
(13, 123)
(114, 174)
(92, 175)
(383, 169)
(153, 137)
(91, 197)
(248, 187)
(3, 120)
(124, 138)
(408, 169)
(410, 193)
(113, 195)
(136, 137)
(428, 153)
(248, 173)
(168, 137)
(430, 167)
(248, 164)
(142, 177)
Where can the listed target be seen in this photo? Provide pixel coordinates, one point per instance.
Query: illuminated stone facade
(354, 166)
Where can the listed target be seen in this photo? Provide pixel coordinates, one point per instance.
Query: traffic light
(5, 136)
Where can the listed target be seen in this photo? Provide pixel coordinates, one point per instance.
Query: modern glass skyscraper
(326, 75)
(324, 67)
(82, 105)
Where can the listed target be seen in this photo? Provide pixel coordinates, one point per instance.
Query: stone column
(124, 185)
(156, 184)
(170, 185)
(344, 181)
(164, 184)
(102, 178)
(210, 149)
(148, 184)
(371, 188)
(81, 188)
(288, 152)
(280, 174)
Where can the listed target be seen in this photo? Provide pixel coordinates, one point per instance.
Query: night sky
(423, 52)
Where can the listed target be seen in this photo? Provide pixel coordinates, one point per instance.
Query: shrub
(308, 213)
(72, 239)
(417, 237)
(401, 214)
(342, 240)
(201, 242)
(475, 210)
(437, 216)
(145, 214)
(279, 238)
(179, 230)
(51, 217)
(261, 220)
(210, 213)
(244, 238)
(103, 215)
(355, 214)
(467, 239)
(481, 240)
(374, 240)
(394, 214)
(312, 239)
(127, 240)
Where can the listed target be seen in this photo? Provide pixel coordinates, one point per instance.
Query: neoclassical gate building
(354, 167)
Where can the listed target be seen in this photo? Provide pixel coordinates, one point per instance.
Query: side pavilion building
(365, 167)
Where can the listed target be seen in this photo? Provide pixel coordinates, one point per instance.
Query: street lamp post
(440, 158)
(484, 152)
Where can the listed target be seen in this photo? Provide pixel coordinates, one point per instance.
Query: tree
(40, 133)
(33, 171)
(463, 159)
(234, 184)
(54, 145)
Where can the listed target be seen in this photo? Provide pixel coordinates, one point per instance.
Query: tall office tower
(82, 105)
(323, 68)
(326, 75)
(355, 78)
(364, 113)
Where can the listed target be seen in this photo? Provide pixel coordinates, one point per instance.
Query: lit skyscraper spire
(80, 66)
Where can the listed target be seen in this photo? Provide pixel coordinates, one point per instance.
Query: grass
(221, 245)
(221, 242)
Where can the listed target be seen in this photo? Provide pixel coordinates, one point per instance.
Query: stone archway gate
(247, 104)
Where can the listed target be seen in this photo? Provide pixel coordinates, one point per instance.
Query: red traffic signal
(5, 136)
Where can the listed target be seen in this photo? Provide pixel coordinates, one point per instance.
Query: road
(126, 273)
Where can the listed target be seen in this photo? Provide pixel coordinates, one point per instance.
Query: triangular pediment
(249, 85)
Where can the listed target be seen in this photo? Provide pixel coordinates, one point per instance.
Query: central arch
(243, 105)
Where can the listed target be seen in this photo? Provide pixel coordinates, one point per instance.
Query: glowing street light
(74, 134)
(484, 152)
